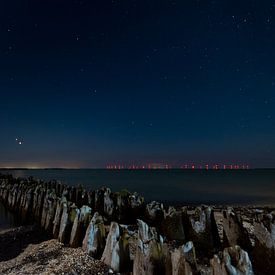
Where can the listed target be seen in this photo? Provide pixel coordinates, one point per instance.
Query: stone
(184, 260)
(154, 212)
(137, 206)
(172, 225)
(47, 204)
(201, 228)
(80, 224)
(38, 199)
(116, 253)
(146, 233)
(190, 255)
(94, 241)
(98, 200)
(26, 205)
(234, 232)
(67, 219)
(109, 205)
(52, 202)
(235, 261)
(179, 264)
(217, 266)
(122, 206)
(152, 256)
(57, 218)
(64, 223)
(79, 195)
(12, 196)
(264, 250)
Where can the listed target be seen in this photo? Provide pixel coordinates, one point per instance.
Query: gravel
(52, 257)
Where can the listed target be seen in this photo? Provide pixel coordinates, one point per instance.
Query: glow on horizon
(41, 166)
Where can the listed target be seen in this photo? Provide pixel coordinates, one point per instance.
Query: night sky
(89, 83)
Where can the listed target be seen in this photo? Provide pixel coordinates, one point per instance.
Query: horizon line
(127, 168)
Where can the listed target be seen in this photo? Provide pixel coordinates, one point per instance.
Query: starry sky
(89, 83)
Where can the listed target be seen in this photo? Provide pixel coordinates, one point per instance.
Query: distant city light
(151, 166)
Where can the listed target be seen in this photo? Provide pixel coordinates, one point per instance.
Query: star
(19, 141)
(93, 91)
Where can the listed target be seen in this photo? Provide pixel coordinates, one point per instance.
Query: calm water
(170, 186)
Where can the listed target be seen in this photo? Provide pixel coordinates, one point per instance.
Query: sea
(171, 186)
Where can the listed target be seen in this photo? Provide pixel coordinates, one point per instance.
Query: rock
(154, 212)
(109, 206)
(151, 256)
(218, 268)
(94, 241)
(116, 253)
(59, 187)
(137, 205)
(72, 194)
(190, 255)
(235, 261)
(172, 225)
(91, 199)
(12, 197)
(167, 259)
(79, 195)
(26, 204)
(68, 216)
(64, 223)
(52, 202)
(234, 232)
(98, 200)
(184, 260)
(38, 199)
(80, 224)
(19, 199)
(48, 210)
(201, 228)
(264, 250)
(85, 198)
(122, 206)
(57, 218)
(146, 233)
(179, 264)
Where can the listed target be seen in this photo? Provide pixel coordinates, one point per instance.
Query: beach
(118, 232)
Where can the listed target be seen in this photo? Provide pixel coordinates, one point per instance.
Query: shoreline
(171, 187)
(122, 231)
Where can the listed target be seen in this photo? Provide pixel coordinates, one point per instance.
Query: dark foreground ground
(28, 250)
(25, 250)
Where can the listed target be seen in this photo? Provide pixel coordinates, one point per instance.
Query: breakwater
(130, 235)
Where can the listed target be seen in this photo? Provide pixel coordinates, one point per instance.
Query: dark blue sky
(88, 83)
